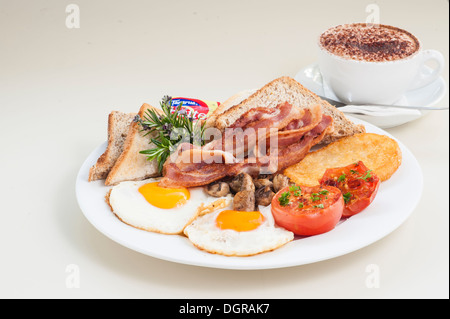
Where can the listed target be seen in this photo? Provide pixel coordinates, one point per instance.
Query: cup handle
(425, 77)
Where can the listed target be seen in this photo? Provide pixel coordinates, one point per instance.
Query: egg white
(130, 206)
(204, 234)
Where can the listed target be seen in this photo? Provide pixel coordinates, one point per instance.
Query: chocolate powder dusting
(373, 43)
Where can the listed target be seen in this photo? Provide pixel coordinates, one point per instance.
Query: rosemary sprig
(172, 127)
(161, 152)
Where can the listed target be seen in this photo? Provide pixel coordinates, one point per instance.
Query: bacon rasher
(295, 130)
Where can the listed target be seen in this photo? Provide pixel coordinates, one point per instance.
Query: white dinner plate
(394, 203)
(429, 95)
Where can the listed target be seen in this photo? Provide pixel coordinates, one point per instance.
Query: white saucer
(430, 95)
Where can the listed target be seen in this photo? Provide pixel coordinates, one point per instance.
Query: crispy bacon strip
(284, 157)
(296, 143)
(244, 133)
(296, 129)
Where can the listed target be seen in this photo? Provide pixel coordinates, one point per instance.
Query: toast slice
(131, 165)
(118, 125)
(226, 105)
(286, 89)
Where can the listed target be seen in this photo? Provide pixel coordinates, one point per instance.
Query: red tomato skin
(309, 223)
(361, 203)
(312, 224)
(357, 207)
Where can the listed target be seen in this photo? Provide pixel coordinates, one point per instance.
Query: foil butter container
(195, 108)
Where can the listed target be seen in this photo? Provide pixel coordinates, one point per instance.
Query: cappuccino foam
(372, 43)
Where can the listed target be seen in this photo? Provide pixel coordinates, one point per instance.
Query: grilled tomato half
(307, 211)
(358, 184)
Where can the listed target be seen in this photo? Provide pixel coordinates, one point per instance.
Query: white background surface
(57, 86)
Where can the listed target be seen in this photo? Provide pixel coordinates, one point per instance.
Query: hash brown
(379, 153)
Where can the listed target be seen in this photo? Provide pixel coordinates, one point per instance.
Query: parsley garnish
(342, 178)
(296, 189)
(318, 206)
(284, 198)
(300, 205)
(365, 177)
(347, 197)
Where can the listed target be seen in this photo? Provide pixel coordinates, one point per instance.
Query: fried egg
(145, 205)
(237, 233)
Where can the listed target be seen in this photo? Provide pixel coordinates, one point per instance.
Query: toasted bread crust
(227, 104)
(118, 124)
(287, 89)
(131, 165)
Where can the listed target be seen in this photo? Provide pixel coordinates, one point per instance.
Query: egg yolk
(239, 221)
(165, 198)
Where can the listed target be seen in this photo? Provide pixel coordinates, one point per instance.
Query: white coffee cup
(363, 82)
